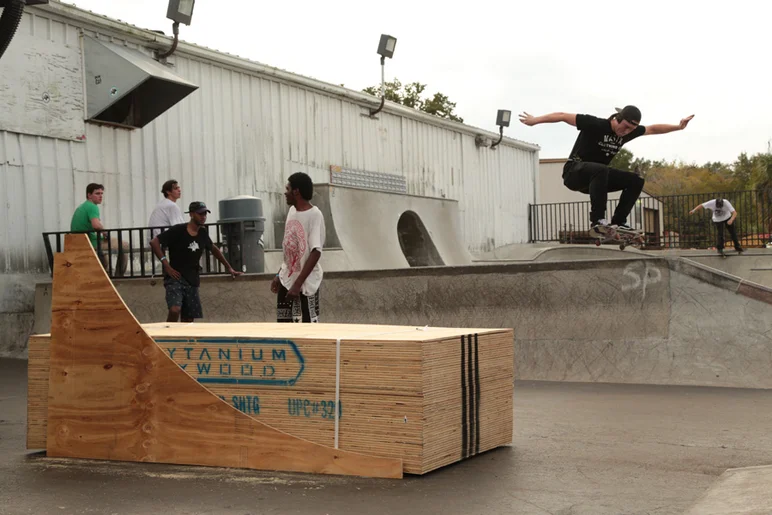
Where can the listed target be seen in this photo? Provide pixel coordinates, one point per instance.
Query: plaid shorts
(181, 293)
(302, 309)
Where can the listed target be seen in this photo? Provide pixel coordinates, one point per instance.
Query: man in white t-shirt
(724, 215)
(167, 213)
(300, 276)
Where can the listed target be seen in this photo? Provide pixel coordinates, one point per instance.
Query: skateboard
(624, 237)
(723, 254)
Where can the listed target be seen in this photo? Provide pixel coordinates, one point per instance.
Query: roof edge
(156, 40)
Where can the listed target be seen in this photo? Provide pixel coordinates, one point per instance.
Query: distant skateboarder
(587, 168)
(724, 215)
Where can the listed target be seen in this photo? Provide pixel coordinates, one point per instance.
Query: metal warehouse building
(222, 126)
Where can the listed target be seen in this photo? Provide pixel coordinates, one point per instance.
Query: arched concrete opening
(416, 244)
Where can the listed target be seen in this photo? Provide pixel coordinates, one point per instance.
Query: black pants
(598, 180)
(300, 309)
(732, 232)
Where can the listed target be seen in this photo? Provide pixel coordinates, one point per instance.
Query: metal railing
(126, 252)
(665, 220)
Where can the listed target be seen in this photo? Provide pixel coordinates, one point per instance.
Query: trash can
(242, 233)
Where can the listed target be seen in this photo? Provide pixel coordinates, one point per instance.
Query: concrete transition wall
(651, 321)
(17, 295)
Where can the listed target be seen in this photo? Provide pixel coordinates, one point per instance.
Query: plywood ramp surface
(330, 332)
(113, 393)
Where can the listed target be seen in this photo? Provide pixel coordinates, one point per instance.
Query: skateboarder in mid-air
(588, 170)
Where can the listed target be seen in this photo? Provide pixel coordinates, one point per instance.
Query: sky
(670, 58)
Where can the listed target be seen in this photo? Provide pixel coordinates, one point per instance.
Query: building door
(651, 226)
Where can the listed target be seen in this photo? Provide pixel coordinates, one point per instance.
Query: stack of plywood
(326, 398)
(430, 396)
(37, 390)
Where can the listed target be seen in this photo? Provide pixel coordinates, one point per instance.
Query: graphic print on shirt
(193, 246)
(610, 144)
(294, 245)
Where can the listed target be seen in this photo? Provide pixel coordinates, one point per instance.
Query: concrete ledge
(755, 291)
(721, 279)
(492, 268)
(741, 491)
(556, 252)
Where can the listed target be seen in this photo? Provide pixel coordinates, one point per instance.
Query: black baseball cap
(630, 113)
(197, 207)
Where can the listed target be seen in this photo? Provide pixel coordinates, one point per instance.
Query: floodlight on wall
(179, 11)
(385, 49)
(502, 120)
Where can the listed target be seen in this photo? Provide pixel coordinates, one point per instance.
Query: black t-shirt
(597, 142)
(185, 250)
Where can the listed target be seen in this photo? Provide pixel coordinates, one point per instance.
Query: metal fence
(126, 253)
(665, 220)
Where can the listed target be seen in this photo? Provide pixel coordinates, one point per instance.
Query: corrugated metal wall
(241, 133)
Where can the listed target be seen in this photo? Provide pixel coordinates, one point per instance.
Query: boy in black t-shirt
(186, 243)
(587, 168)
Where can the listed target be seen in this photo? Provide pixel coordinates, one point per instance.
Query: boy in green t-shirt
(86, 216)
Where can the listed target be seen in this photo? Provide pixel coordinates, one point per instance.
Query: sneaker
(740, 250)
(602, 227)
(625, 227)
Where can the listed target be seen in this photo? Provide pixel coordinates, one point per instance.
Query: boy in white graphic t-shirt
(300, 276)
(724, 215)
(167, 213)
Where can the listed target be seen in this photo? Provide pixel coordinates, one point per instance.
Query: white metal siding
(241, 133)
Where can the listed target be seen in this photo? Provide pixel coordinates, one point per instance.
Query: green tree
(623, 160)
(761, 182)
(719, 167)
(755, 171)
(409, 95)
(680, 186)
(682, 179)
(742, 169)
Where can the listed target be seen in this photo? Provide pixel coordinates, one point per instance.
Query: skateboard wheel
(597, 243)
(621, 246)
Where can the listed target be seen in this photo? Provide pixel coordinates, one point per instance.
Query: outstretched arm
(218, 254)
(664, 128)
(699, 206)
(529, 119)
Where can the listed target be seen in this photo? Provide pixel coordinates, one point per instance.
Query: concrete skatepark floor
(579, 449)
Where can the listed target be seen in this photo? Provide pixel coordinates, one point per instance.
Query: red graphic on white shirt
(294, 245)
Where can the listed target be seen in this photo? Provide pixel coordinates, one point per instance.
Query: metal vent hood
(126, 87)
